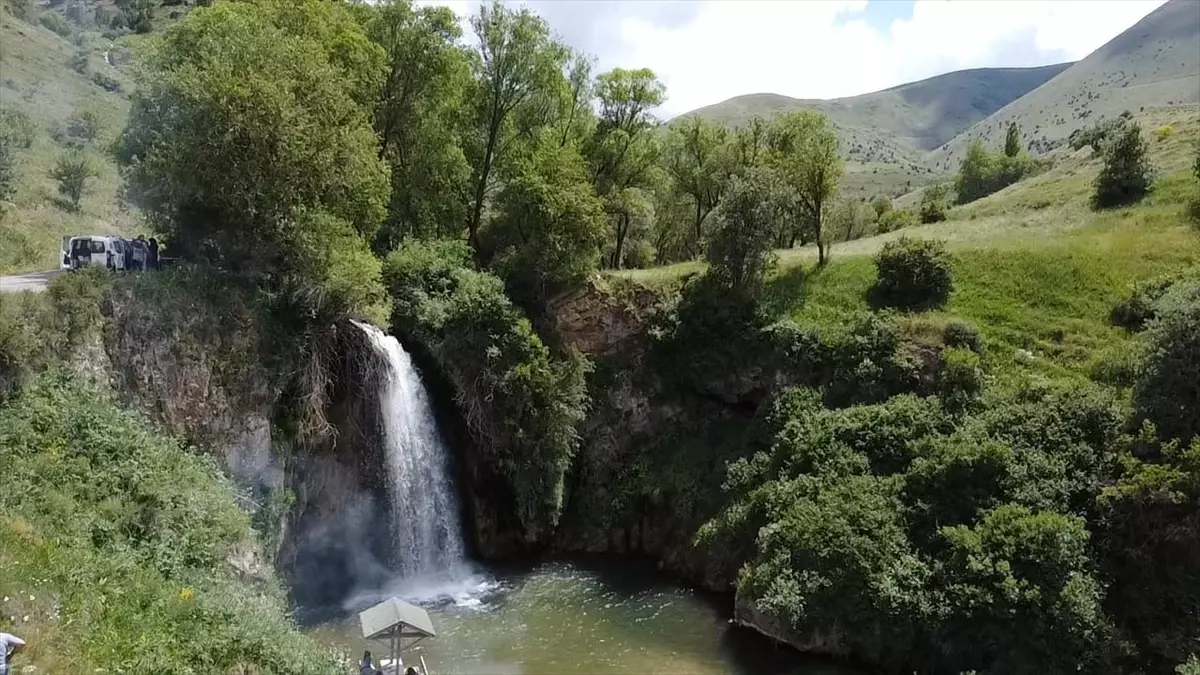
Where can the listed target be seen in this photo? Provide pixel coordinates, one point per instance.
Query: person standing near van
(9, 644)
(139, 253)
(153, 258)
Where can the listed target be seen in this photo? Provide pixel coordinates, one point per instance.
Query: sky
(707, 51)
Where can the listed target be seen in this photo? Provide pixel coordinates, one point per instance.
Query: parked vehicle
(82, 251)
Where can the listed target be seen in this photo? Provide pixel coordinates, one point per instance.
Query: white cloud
(708, 51)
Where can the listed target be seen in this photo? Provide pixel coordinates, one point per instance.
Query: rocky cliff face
(638, 425)
(319, 504)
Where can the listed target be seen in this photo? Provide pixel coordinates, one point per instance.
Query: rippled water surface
(564, 619)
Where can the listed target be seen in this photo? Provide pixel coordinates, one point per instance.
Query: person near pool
(9, 645)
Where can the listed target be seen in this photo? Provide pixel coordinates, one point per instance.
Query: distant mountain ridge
(921, 115)
(1156, 62)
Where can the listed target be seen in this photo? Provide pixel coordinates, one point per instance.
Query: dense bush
(895, 219)
(913, 274)
(106, 82)
(982, 172)
(521, 403)
(1149, 543)
(56, 23)
(1099, 135)
(935, 203)
(1168, 389)
(906, 533)
(127, 538)
(958, 334)
(1126, 176)
(1141, 305)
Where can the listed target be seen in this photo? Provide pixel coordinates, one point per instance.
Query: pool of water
(567, 619)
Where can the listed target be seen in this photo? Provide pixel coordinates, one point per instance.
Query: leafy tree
(72, 172)
(1012, 140)
(896, 219)
(624, 152)
(749, 144)
(982, 172)
(849, 219)
(740, 253)
(1168, 389)
(881, 204)
(8, 168)
(576, 120)
(549, 226)
(804, 150)
(419, 119)
(934, 203)
(517, 70)
(696, 163)
(1126, 175)
(913, 274)
(249, 145)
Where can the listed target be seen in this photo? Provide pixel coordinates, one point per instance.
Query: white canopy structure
(392, 622)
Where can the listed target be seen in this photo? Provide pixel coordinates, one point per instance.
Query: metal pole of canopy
(395, 652)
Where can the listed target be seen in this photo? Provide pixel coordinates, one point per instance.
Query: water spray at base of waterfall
(429, 559)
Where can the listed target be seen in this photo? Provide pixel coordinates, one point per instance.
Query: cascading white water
(425, 526)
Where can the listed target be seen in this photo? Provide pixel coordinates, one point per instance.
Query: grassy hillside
(1156, 62)
(124, 552)
(49, 81)
(919, 115)
(1036, 268)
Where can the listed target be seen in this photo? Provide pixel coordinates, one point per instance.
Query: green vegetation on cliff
(123, 550)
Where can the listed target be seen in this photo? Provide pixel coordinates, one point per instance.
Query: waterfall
(426, 535)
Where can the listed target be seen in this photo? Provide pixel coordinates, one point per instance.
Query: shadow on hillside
(788, 290)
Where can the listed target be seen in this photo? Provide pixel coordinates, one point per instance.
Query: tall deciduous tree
(246, 146)
(1012, 140)
(696, 163)
(804, 150)
(419, 118)
(518, 74)
(623, 152)
(549, 225)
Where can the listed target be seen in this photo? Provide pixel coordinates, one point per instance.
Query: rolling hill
(1154, 63)
(920, 115)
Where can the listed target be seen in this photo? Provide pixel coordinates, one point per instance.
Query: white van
(82, 251)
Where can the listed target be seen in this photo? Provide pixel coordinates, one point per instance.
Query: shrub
(1136, 310)
(8, 169)
(84, 125)
(913, 274)
(983, 173)
(56, 23)
(1164, 132)
(72, 172)
(20, 9)
(896, 219)
(960, 378)
(881, 204)
(934, 203)
(16, 128)
(1098, 135)
(1168, 389)
(106, 82)
(962, 335)
(79, 61)
(1012, 140)
(1126, 175)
